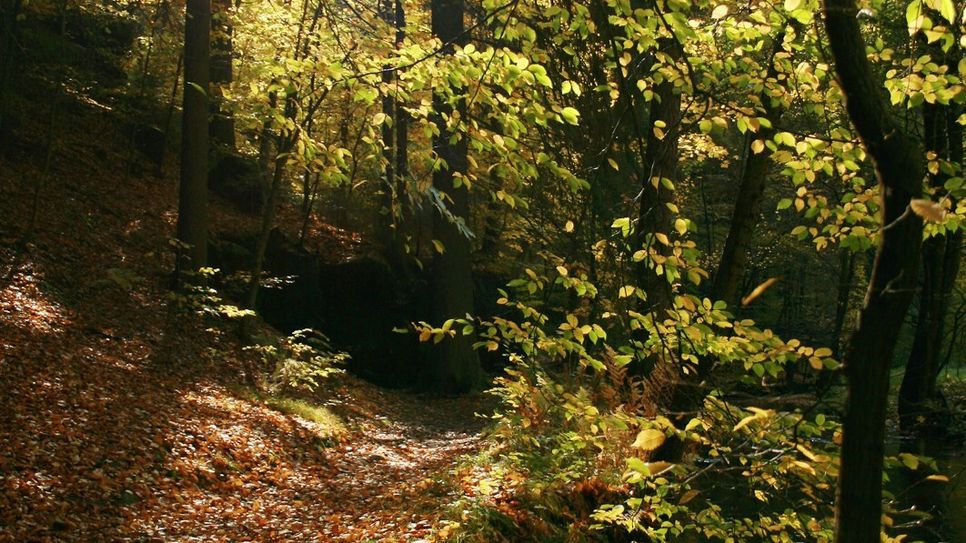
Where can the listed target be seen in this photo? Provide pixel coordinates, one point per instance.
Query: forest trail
(123, 418)
(105, 445)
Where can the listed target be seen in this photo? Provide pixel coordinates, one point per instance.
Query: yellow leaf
(569, 226)
(688, 496)
(681, 226)
(757, 146)
(649, 439)
(662, 238)
(613, 164)
(719, 12)
(758, 291)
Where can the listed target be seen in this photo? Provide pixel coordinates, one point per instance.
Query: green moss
(330, 425)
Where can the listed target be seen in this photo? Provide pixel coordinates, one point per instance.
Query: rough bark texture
(454, 366)
(734, 258)
(222, 122)
(193, 192)
(900, 170)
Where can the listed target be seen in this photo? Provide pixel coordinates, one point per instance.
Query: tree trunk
(9, 53)
(660, 162)
(454, 366)
(734, 258)
(390, 202)
(846, 275)
(899, 166)
(940, 267)
(222, 121)
(193, 193)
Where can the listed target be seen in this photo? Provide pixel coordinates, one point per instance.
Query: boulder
(238, 179)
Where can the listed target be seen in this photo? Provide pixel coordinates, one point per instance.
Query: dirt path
(118, 420)
(102, 443)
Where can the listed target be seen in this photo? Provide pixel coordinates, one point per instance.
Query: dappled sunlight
(25, 306)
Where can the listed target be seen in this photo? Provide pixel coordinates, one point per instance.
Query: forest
(482, 271)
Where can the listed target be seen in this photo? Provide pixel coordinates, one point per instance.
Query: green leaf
(914, 17)
(784, 203)
(569, 115)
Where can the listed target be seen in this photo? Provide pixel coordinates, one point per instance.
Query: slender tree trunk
(846, 275)
(389, 202)
(168, 117)
(899, 164)
(222, 121)
(9, 54)
(268, 219)
(454, 365)
(193, 193)
(734, 258)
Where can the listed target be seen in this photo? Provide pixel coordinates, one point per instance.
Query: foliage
(298, 362)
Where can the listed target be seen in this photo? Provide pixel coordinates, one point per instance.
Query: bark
(917, 394)
(169, 116)
(744, 219)
(660, 162)
(268, 219)
(222, 121)
(9, 54)
(454, 365)
(846, 275)
(899, 166)
(390, 202)
(193, 193)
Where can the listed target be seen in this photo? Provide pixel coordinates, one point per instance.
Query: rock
(150, 141)
(237, 178)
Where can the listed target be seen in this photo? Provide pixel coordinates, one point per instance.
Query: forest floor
(125, 418)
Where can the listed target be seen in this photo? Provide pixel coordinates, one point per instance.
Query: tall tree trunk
(660, 162)
(222, 121)
(899, 165)
(193, 193)
(944, 136)
(9, 54)
(454, 365)
(390, 202)
(734, 258)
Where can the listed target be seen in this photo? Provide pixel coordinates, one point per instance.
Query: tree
(454, 365)
(193, 191)
(899, 166)
(944, 136)
(751, 189)
(222, 126)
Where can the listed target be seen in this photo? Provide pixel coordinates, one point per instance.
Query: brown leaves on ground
(117, 416)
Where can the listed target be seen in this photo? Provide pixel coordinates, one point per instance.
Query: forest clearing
(457, 271)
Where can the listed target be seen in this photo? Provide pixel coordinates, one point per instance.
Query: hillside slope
(125, 418)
